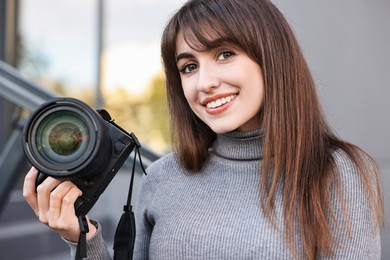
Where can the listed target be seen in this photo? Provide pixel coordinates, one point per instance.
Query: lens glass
(62, 137)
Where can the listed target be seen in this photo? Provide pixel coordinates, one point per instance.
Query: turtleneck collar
(239, 145)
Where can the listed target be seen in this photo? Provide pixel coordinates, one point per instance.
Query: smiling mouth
(221, 101)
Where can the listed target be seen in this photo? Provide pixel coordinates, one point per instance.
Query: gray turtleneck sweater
(216, 213)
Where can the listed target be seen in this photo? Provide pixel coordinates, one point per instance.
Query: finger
(67, 224)
(56, 200)
(29, 191)
(43, 197)
(68, 202)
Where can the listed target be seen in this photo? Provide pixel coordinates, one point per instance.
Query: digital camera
(66, 139)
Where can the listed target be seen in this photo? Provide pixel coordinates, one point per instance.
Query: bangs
(205, 35)
(204, 28)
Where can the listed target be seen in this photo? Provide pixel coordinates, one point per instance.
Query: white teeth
(221, 101)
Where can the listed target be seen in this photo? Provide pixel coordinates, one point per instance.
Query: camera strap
(125, 231)
(81, 252)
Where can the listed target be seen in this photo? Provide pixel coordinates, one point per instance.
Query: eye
(225, 55)
(187, 68)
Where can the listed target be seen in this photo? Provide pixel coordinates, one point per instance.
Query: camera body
(68, 140)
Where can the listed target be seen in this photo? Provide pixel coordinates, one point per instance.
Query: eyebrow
(184, 55)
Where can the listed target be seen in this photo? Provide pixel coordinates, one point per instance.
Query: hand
(53, 203)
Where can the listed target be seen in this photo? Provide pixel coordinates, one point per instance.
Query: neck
(239, 145)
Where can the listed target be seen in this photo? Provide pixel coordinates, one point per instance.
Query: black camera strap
(81, 252)
(125, 231)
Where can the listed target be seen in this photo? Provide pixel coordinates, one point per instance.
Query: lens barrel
(65, 137)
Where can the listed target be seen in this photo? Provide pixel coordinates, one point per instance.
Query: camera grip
(40, 178)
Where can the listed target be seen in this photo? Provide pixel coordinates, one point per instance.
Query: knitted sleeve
(96, 247)
(357, 235)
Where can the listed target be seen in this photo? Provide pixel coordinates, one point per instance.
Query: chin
(223, 130)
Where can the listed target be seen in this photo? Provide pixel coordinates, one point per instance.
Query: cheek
(189, 93)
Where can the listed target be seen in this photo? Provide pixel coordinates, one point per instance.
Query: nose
(208, 78)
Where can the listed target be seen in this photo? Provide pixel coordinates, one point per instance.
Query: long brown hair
(297, 142)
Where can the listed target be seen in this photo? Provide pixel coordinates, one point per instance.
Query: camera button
(118, 147)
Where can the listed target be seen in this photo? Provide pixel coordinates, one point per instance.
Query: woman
(256, 172)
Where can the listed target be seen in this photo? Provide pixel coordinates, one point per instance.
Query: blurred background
(106, 53)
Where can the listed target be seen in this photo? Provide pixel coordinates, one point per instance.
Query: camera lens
(65, 138)
(62, 137)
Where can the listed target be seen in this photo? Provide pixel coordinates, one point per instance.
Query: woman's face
(223, 86)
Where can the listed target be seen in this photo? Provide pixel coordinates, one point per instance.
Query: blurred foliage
(144, 114)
